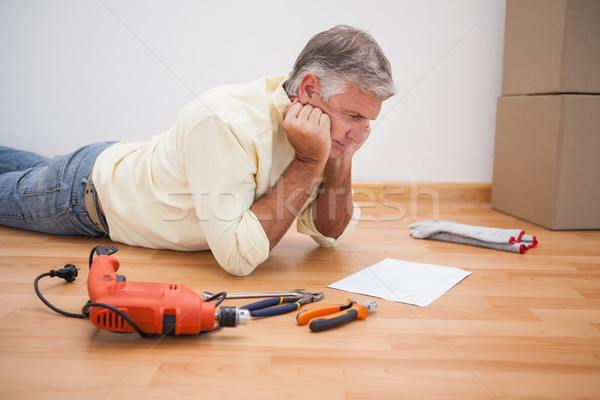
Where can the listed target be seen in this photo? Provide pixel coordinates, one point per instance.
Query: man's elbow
(239, 265)
(239, 270)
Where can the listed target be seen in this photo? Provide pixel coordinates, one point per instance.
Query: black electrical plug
(68, 273)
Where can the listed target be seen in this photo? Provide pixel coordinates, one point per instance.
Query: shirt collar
(281, 101)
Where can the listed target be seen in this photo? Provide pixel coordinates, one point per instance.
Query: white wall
(78, 71)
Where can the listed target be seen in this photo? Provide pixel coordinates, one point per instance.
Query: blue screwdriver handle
(261, 308)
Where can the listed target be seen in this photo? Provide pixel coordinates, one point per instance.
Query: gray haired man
(239, 165)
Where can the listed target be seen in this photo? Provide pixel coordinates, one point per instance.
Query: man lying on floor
(238, 166)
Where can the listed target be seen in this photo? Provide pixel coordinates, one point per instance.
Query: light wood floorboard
(520, 327)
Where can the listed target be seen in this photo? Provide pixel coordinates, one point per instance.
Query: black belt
(90, 204)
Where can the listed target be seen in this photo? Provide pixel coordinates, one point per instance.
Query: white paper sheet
(403, 281)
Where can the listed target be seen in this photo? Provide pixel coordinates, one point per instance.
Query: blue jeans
(48, 195)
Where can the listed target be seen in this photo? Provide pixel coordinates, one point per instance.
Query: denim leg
(19, 160)
(50, 197)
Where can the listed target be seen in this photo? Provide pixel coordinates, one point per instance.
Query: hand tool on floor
(297, 297)
(331, 316)
(265, 308)
(147, 308)
(293, 293)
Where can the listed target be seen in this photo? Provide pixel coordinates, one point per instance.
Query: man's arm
(307, 130)
(333, 207)
(277, 210)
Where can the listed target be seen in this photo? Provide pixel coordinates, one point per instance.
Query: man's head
(340, 57)
(344, 72)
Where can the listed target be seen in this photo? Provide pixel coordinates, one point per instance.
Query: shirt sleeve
(306, 224)
(221, 174)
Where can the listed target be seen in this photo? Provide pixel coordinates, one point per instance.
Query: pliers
(331, 316)
(265, 308)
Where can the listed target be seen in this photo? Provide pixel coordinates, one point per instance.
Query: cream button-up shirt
(191, 187)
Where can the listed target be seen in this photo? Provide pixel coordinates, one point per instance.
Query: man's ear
(309, 88)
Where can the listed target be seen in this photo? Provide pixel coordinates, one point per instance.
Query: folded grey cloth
(513, 240)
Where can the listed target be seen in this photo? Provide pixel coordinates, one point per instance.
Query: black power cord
(99, 250)
(221, 297)
(86, 314)
(69, 273)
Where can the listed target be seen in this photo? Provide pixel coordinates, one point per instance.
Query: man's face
(350, 113)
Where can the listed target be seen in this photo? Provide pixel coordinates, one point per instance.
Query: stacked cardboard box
(547, 148)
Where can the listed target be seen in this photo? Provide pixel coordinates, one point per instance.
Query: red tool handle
(333, 320)
(304, 317)
(340, 318)
(329, 317)
(103, 276)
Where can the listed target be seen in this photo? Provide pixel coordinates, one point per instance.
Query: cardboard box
(551, 46)
(547, 160)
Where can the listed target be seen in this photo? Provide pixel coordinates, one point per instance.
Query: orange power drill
(145, 307)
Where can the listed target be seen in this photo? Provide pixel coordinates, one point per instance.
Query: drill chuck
(232, 316)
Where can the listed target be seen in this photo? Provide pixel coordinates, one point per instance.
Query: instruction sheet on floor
(403, 281)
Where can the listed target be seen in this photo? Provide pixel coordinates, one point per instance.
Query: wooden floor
(519, 327)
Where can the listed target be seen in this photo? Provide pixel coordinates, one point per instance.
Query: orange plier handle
(327, 317)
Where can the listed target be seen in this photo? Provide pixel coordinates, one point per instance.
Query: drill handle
(103, 276)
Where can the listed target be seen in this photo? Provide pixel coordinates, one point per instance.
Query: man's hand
(333, 207)
(308, 131)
